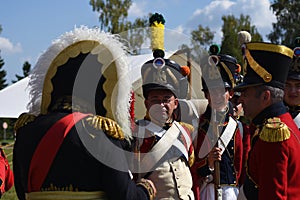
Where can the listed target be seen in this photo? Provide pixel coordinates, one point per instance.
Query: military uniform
(218, 75)
(171, 174)
(74, 167)
(294, 111)
(165, 147)
(247, 133)
(275, 142)
(6, 174)
(231, 163)
(294, 74)
(72, 143)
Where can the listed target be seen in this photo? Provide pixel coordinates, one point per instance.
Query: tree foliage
(231, 27)
(136, 34)
(26, 71)
(287, 28)
(202, 36)
(113, 18)
(113, 14)
(3, 83)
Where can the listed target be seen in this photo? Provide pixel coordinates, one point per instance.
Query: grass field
(11, 194)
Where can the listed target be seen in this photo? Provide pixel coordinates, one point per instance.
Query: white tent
(14, 99)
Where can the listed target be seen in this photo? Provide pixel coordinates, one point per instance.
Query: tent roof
(14, 99)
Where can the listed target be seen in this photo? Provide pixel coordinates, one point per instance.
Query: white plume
(244, 37)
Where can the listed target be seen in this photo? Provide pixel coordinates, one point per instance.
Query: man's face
(218, 98)
(251, 102)
(160, 105)
(292, 92)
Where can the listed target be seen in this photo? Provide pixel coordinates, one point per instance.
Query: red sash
(47, 149)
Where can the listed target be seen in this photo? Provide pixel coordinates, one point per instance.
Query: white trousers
(228, 192)
(241, 195)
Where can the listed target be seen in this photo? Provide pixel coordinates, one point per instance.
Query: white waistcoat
(173, 180)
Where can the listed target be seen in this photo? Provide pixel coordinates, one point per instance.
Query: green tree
(3, 83)
(202, 38)
(287, 28)
(26, 70)
(113, 14)
(113, 18)
(231, 27)
(136, 34)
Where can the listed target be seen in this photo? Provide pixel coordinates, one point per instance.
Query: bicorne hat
(86, 69)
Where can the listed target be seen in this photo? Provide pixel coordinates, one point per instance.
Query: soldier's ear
(176, 103)
(266, 96)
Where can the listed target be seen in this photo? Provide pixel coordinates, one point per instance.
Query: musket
(217, 179)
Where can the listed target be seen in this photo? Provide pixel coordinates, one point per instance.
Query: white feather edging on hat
(112, 42)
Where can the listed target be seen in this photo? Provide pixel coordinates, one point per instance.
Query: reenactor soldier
(71, 143)
(219, 138)
(292, 86)
(273, 166)
(163, 143)
(6, 174)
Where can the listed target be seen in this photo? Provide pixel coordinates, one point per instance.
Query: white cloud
(180, 29)
(7, 47)
(211, 15)
(259, 11)
(137, 10)
(214, 6)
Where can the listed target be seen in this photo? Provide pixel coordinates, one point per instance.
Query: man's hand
(214, 155)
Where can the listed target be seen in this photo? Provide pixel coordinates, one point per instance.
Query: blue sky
(29, 27)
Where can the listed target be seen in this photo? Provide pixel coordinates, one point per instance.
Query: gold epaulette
(107, 125)
(274, 130)
(192, 158)
(188, 126)
(24, 119)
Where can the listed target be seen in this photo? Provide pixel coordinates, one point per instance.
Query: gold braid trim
(71, 51)
(58, 195)
(274, 131)
(280, 49)
(52, 187)
(264, 74)
(109, 126)
(148, 187)
(192, 158)
(188, 126)
(24, 119)
(228, 73)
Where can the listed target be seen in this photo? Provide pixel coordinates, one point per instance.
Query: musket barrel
(217, 179)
